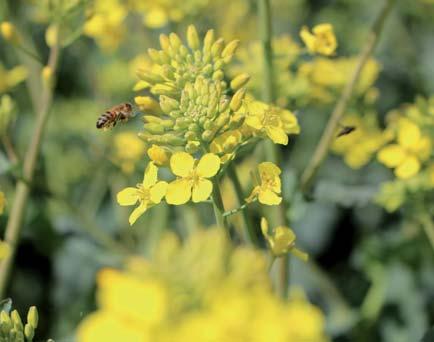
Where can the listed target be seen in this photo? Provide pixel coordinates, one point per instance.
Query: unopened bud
(192, 38)
(229, 50)
(33, 317)
(237, 99)
(9, 32)
(29, 332)
(208, 41)
(240, 81)
(147, 103)
(52, 35)
(217, 47)
(159, 155)
(192, 146)
(47, 76)
(153, 128)
(16, 320)
(175, 42)
(168, 104)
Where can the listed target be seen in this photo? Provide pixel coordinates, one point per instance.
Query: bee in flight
(345, 130)
(122, 112)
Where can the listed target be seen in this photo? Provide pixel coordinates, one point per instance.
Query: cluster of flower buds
(12, 328)
(195, 105)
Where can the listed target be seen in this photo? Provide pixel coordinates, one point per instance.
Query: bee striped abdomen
(105, 119)
(120, 112)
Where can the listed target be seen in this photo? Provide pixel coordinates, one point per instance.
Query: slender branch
(9, 148)
(14, 225)
(247, 220)
(323, 146)
(276, 215)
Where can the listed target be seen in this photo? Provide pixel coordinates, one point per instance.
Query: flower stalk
(276, 214)
(22, 191)
(323, 146)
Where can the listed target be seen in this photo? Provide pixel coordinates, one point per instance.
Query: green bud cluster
(192, 91)
(12, 328)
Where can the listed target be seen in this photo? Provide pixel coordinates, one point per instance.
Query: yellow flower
(406, 155)
(9, 32)
(269, 190)
(322, 41)
(148, 193)
(2, 202)
(192, 181)
(159, 155)
(281, 240)
(226, 143)
(128, 149)
(5, 250)
(274, 122)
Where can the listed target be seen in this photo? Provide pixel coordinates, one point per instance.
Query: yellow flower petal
(202, 190)
(208, 165)
(150, 176)
(408, 134)
(181, 164)
(254, 122)
(392, 155)
(178, 192)
(277, 135)
(127, 196)
(409, 167)
(268, 168)
(138, 212)
(269, 197)
(158, 191)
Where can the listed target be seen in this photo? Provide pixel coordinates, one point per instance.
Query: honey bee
(345, 130)
(122, 112)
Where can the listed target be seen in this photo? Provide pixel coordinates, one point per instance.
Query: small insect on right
(345, 130)
(122, 112)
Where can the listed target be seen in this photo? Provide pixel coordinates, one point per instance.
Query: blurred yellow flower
(149, 193)
(5, 250)
(105, 24)
(358, 147)
(193, 180)
(281, 240)
(128, 149)
(411, 149)
(274, 122)
(9, 33)
(322, 41)
(204, 290)
(11, 78)
(268, 192)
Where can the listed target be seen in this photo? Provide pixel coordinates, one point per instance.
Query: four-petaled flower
(269, 190)
(192, 181)
(281, 241)
(148, 193)
(274, 122)
(322, 41)
(411, 149)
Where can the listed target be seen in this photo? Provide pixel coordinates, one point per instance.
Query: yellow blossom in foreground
(148, 193)
(322, 40)
(9, 33)
(274, 122)
(128, 149)
(203, 290)
(268, 192)
(193, 180)
(411, 149)
(281, 240)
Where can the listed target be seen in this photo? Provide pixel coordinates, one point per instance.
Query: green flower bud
(168, 104)
(16, 320)
(236, 121)
(192, 146)
(154, 55)
(237, 99)
(153, 128)
(5, 322)
(165, 43)
(175, 42)
(229, 50)
(208, 41)
(223, 105)
(193, 38)
(149, 77)
(29, 332)
(218, 75)
(33, 317)
(207, 135)
(217, 47)
(173, 140)
(190, 135)
(162, 89)
(240, 81)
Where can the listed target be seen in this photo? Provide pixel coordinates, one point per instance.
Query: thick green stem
(14, 225)
(249, 228)
(339, 110)
(276, 215)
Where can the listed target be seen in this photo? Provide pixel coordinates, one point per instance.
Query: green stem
(276, 215)
(339, 110)
(217, 203)
(14, 225)
(249, 228)
(428, 226)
